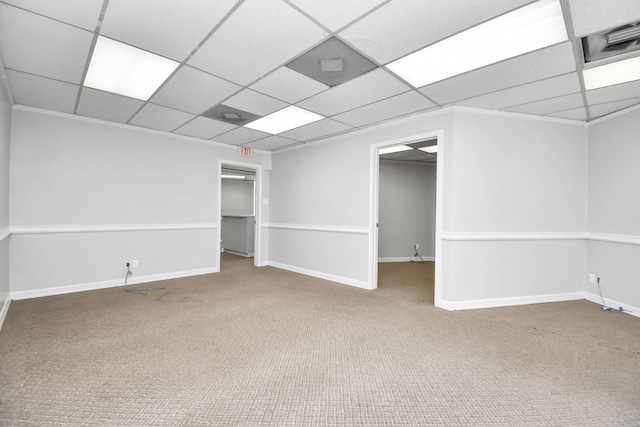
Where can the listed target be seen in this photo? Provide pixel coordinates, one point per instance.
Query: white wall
(320, 200)
(237, 197)
(513, 206)
(518, 213)
(5, 137)
(614, 209)
(407, 210)
(87, 196)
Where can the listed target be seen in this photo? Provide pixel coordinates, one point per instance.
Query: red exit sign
(245, 151)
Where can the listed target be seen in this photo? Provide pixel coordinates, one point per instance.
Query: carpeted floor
(259, 347)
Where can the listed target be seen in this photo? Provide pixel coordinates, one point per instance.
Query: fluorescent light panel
(284, 120)
(395, 149)
(612, 74)
(430, 149)
(232, 176)
(126, 70)
(529, 28)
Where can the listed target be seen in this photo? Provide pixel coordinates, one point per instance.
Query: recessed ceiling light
(529, 28)
(126, 70)
(395, 149)
(612, 74)
(430, 149)
(284, 120)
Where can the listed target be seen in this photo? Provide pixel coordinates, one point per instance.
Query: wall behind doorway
(407, 210)
(237, 197)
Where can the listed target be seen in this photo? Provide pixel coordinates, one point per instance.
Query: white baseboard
(628, 309)
(339, 279)
(60, 290)
(406, 259)
(244, 254)
(4, 310)
(505, 302)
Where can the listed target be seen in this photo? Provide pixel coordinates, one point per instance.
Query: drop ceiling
(236, 54)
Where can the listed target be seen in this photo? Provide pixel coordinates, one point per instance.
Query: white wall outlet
(417, 245)
(134, 263)
(592, 278)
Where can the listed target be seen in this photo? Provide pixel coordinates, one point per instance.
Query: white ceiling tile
(240, 136)
(404, 26)
(81, 13)
(193, 91)
(259, 37)
(38, 45)
(317, 129)
(373, 86)
(560, 103)
(42, 92)
(593, 16)
(335, 14)
(573, 114)
(107, 106)
(204, 127)
(160, 118)
(254, 102)
(549, 88)
(600, 110)
(271, 143)
(541, 64)
(396, 106)
(288, 85)
(184, 24)
(614, 93)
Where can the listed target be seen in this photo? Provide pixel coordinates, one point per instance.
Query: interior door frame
(374, 195)
(257, 197)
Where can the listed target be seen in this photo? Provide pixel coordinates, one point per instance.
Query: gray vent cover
(331, 63)
(230, 115)
(611, 43)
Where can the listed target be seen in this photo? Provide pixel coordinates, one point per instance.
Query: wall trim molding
(329, 228)
(406, 259)
(54, 229)
(501, 236)
(67, 289)
(4, 234)
(326, 276)
(614, 238)
(508, 302)
(4, 309)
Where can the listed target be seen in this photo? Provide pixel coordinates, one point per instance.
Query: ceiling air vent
(331, 63)
(611, 43)
(231, 115)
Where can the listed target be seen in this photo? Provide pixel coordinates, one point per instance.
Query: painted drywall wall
(509, 178)
(237, 197)
(86, 182)
(5, 139)
(516, 183)
(407, 210)
(320, 200)
(613, 208)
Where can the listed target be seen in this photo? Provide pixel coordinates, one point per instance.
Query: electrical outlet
(134, 263)
(592, 278)
(417, 245)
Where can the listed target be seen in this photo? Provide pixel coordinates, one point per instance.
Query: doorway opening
(406, 214)
(239, 212)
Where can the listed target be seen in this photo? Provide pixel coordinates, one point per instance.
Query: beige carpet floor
(262, 347)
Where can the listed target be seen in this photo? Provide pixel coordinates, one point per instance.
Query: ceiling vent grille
(611, 43)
